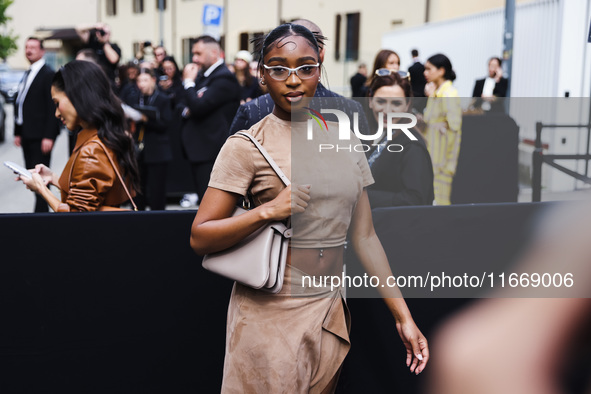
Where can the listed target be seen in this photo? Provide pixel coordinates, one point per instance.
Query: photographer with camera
(145, 53)
(97, 37)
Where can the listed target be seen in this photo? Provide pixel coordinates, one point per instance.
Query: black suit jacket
(417, 79)
(39, 119)
(212, 104)
(357, 83)
(500, 89)
(157, 108)
(255, 110)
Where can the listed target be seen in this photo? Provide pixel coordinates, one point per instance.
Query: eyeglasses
(384, 72)
(280, 73)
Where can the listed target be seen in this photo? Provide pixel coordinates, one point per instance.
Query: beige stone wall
(448, 9)
(183, 19)
(30, 15)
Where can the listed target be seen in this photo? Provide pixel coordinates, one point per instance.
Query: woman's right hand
(36, 183)
(46, 174)
(287, 202)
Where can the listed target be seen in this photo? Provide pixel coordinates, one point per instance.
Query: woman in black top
(171, 82)
(401, 167)
(152, 139)
(249, 85)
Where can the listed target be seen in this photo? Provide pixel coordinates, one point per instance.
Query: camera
(163, 78)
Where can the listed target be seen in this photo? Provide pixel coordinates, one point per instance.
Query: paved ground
(15, 198)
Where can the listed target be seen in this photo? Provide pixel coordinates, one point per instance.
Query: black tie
(200, 76)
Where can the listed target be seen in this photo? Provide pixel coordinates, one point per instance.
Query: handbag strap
(267, 157)
(140, 137)
(117, 172)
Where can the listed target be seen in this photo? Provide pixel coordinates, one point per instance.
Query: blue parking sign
(212, 15)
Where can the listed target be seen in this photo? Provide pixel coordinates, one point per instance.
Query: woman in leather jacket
(103, 157)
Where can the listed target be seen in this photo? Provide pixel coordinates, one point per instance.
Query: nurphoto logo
(345, 130)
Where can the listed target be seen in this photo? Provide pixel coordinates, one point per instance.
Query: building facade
(354, 29)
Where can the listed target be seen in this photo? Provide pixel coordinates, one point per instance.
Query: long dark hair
(442, 61)
(380, 62)
(382, 59)
(177, 71)
(89, 90)
(264, 44)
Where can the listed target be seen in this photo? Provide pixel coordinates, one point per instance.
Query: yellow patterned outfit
(443, 116)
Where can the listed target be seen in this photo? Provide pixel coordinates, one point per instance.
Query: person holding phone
(487, 90)
(102, 172)
(170, 82)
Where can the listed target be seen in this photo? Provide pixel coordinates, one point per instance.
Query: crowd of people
(157, 98)
(438, 110)
(212, 98)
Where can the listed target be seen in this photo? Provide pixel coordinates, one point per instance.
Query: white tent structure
(551, 59)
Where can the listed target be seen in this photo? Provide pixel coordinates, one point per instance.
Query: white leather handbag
(258, 260)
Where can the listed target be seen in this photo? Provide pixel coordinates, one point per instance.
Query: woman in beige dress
(295, 341)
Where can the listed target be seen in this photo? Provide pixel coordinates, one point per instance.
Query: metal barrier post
(537, 160)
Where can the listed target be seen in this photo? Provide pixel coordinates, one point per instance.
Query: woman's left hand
(35, 184)
(417, 348)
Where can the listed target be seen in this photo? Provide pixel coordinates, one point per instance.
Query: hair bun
(452, 75)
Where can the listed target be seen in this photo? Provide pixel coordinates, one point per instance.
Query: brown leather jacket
(89, 181)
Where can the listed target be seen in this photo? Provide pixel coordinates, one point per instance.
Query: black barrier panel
(119, 303)
(112, 302)
(468, 235)
(179, 179)
(487, 169)
(429, 243)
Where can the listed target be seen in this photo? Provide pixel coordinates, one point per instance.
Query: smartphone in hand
(18, 169)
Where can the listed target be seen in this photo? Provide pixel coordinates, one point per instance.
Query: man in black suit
(491, 87)
(417, 76)
(255, 110)
(212, 96)
(36, 126)
(358, 81)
